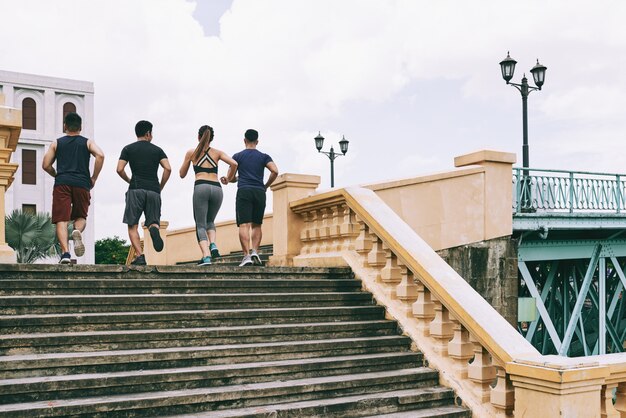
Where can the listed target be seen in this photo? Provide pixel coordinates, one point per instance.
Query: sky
(410, 83)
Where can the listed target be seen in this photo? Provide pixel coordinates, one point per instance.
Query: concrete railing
(10, 128)
(492, 368)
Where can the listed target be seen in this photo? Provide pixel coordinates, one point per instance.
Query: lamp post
(343, 146)
(507, 66)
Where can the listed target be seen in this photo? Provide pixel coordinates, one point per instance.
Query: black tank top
(73, 162)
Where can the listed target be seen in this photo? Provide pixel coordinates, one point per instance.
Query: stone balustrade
(492, 368)
(10, 128)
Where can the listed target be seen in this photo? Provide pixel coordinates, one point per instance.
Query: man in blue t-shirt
(250, 201)
(144, 190)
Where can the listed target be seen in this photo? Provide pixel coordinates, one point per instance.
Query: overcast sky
(411, 84)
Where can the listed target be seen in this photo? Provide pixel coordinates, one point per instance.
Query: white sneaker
(256, 260)
(247, 261)
(79, 247)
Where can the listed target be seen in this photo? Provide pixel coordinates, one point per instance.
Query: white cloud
(290, 67)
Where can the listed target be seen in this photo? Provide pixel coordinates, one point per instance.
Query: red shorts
(69, 203)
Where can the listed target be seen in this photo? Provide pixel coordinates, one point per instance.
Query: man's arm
(121, 170)
(167, 170)
(49, 158)
(271, 166)
(95, 150)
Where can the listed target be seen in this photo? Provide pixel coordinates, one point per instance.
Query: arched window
(29, 114)
(67, 108)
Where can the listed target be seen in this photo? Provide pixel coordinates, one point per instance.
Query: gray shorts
(140, 201)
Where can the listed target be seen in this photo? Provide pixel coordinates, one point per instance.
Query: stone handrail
(492, 368)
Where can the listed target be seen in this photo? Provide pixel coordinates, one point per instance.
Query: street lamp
(343, 146)
(507, 66)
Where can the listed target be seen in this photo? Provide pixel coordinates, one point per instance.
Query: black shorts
(140, 201)
(250, 206)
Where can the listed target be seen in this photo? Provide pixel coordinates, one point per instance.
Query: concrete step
(227, 397)
(135, 381)
(163, 285)
(16, 324)
(381, 404)
(84, 271)
(61, 363)
(36, 304)
(179, 337)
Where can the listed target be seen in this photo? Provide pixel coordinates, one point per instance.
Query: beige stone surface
(10, 128)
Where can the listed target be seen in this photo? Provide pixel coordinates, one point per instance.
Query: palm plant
(32, 236)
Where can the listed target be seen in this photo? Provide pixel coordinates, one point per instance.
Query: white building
(44, 102)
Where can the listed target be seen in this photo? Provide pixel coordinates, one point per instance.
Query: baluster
(363, 243)
(390, 275)
(460, 349)
(607, 409)
(305, 234)
(324, 230)
(314, 233)
(333, 228)
(441, 328)
(347, 227)
(423, 309)
(620, 399)
(407, 289)
(376, 256)
(503, 394)
(481, 371)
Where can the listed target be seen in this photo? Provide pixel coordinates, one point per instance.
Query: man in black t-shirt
(144, 191)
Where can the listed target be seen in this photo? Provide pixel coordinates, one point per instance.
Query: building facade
(44, 102)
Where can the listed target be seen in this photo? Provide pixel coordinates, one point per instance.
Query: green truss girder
(569, 249)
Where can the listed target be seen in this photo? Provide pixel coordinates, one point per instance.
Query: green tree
(111, 250)
(32, 236)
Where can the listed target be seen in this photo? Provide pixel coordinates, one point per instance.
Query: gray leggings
(207, 199)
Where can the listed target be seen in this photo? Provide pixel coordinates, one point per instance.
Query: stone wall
(490, 267)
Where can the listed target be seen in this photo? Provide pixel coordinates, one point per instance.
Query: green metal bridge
(572, 257)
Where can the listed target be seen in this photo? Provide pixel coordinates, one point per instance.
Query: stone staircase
(214, 341)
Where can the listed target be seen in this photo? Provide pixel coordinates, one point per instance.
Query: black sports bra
(206, 157)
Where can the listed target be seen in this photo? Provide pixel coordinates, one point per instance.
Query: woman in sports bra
(207, 191)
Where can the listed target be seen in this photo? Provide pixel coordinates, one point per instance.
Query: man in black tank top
(72, 182)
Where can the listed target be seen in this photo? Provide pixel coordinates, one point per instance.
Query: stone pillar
(498, 189)
(562, 390)
(287, 188)
(10, 128)
(154, 258)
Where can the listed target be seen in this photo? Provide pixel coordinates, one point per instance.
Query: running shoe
(247, 261)
(256, 260)
(214, 252)
(140, 260)
(79, 247)
(205, 261)
(157, 242)
(66, 258)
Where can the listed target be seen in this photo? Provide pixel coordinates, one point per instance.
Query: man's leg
(135, 241)
(61, 228)
(244, 238)
(257, 234)
(80, 224)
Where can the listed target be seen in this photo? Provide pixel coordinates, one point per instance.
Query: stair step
(177, 337)
(13, 324)
(381, 404)
(52, 364)
(55, 286)
(212, 398)
(33, 304)
(102, 384)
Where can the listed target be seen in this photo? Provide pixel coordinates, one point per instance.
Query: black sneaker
(157, 242)
(139, 261)
(66, 258)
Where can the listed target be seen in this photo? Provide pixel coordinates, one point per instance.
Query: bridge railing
(567, 191)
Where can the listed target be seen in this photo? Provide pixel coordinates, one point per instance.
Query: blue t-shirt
(251, 162)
